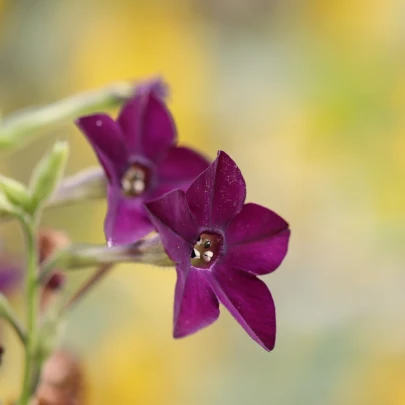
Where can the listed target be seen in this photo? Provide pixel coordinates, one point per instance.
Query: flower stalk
(27, 125)
(88, 184)
(148, 251)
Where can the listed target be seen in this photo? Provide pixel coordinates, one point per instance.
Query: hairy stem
(88, 184)
(148, 250)
(26, 125)
(15, 324)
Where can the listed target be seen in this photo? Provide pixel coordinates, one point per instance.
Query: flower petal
(173, 220)
(106, 138)
(218, 194)
(127, 220)
(249, 301)
(180, 168)
(195, 305)
(147, 124)
(257, 240)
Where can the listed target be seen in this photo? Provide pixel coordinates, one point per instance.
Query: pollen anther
(207, 256)
(133, 182)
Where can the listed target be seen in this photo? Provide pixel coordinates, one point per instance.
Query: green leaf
(47, 174)
(15, 192)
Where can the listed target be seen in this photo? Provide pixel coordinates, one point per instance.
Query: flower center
(206, 250)
(135, 180)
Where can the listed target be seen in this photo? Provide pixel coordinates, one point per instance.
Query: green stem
(12, 320)
(28, 124)
(32, 303)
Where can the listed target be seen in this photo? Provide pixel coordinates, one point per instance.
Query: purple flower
(141, 160)
(220, 245)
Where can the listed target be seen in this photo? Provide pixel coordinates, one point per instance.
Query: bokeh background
(308, 97)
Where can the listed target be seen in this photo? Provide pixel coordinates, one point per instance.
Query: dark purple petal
(257, 240)
(173, 220)
(195, 305)
(218, 194)
(106, 138)
(180, 168)
(126, 220)
(249, 301)
(147, 124)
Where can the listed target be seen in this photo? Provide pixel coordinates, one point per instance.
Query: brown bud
(61, 381)
(49, 241)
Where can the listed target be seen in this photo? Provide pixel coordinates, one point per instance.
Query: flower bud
(50, 241)
(48, 173)
(15, 192)
(6, 207)
(61, 381)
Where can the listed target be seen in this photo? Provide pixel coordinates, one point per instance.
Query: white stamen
(196, 254)
(207, 256)
(126, 184)
(138, 186)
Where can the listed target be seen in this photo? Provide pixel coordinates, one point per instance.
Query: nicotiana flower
(220, 245)
(141, 160)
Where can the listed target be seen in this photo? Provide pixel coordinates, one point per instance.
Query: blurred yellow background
(308, 97)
